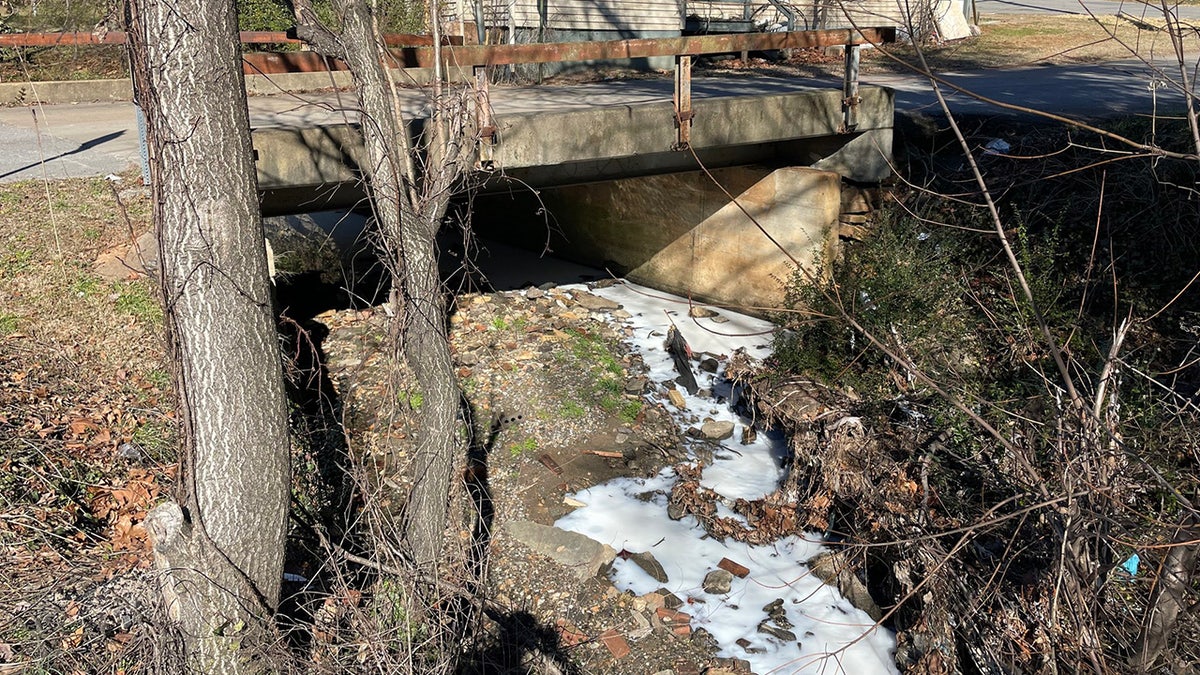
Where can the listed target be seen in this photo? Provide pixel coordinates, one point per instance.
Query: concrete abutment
(681, 233)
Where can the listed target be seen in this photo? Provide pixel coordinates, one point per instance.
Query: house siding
(818, 14)
(629, 16)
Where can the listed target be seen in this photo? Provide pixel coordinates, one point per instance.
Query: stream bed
(779, 617)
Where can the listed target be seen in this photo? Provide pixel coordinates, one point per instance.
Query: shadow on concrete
(83, 147)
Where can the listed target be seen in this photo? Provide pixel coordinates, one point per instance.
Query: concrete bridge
(604, 161)
(623, 164)
(628, 168)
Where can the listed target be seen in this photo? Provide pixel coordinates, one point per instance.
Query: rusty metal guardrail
(694, 45)
(480, 57)
(250, 37)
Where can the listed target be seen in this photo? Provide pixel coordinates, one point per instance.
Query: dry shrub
(994, 512)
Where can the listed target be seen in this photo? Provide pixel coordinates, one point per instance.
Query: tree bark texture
(224, 542)
(1169, 599)
(408, 209)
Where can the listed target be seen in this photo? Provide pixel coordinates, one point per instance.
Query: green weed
(414, 399)
(8, 324)
(629, 410)
(903, 286)
(391, 604)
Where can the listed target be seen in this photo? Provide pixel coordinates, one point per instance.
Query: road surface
(102, 138)
(1098, 7)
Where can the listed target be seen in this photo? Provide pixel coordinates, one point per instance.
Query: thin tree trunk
(222, 545)
(1169, 598)
(409, 209)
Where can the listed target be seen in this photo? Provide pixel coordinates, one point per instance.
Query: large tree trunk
(222, 546)
(408, 209)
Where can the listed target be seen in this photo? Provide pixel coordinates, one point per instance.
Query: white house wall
(606, 15)
(809, 15)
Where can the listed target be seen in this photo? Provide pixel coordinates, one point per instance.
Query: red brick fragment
(616, 644)
(568, 634)
(736, 569)
(672, 618)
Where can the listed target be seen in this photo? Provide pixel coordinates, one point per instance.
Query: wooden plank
(548, 462)
(553, 52)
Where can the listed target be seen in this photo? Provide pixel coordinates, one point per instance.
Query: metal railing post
(683, 102)
(850, 97)
(485, 121)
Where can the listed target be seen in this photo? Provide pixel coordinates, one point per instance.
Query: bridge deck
(563, 134)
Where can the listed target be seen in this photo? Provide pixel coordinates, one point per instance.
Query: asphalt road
(1083, 7)
(102, 138)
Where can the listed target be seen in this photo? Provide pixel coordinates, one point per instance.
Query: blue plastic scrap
(1131, 565)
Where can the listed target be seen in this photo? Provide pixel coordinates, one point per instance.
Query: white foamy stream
(832, 636)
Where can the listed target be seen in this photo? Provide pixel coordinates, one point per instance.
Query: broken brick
(616, 644)
(568, 634)
(672, 618)
(736, 569)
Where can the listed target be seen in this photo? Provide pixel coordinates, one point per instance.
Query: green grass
(160, 378)
(156, 438)
(8, 324)
(138, 299)
(603, 381)
(519, 448)
(85, 286)
(573, 410)
(14, 261)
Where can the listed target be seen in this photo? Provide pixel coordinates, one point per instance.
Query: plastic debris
(996, 146)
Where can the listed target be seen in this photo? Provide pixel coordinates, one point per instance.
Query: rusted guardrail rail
(250, 37)
(480, 57)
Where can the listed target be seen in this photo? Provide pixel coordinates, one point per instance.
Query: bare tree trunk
(409, 209)
(221, 547)
(1169, 598)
